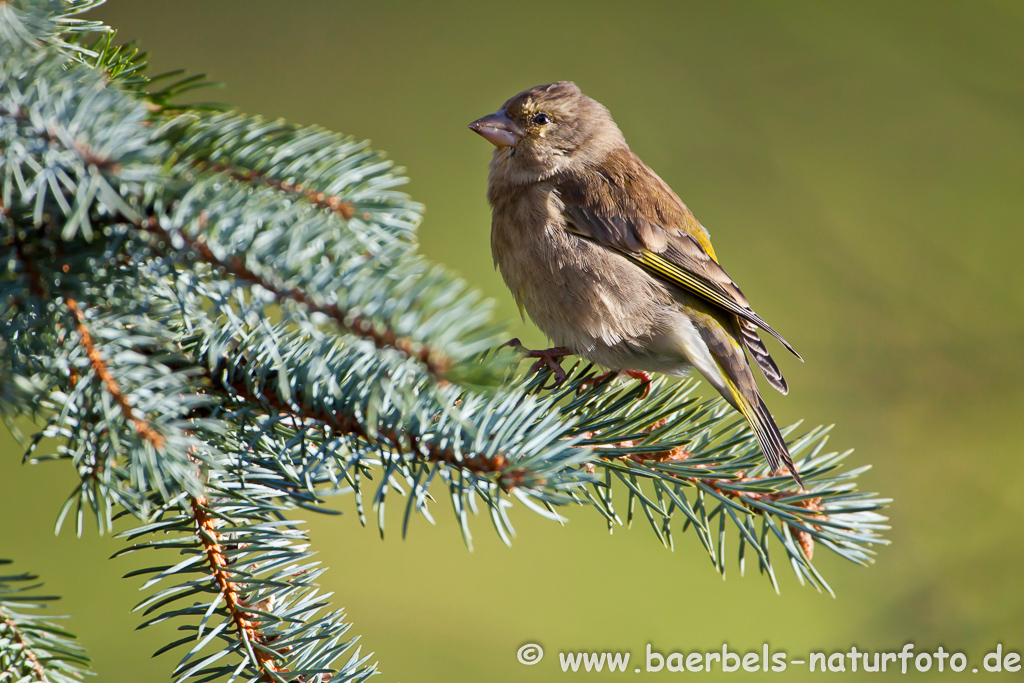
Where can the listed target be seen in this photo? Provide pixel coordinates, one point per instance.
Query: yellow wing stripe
(674, 273)
(680, 276)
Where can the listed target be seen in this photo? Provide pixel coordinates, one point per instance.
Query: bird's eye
(541, 119)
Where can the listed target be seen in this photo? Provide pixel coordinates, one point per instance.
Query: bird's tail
(767, 432)
(724, 342)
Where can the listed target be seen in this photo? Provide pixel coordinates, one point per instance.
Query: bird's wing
(628, 208)
(756, 348)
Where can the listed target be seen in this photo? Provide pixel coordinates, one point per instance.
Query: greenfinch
(610, 264)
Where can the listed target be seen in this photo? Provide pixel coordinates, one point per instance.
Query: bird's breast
(580, 294)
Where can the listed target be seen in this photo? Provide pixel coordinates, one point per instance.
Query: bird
(610, 263)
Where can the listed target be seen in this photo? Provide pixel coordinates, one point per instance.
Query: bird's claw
(513, 343)
(551, 358)
(644, 378)
(586, 384)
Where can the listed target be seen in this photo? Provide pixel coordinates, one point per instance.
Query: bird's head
(544, 129)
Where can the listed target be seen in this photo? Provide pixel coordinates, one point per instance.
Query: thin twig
(206, 531)
(803, 538)
(497, 464)
(17, 636)
(437, 364)
(319, 199)
(144, 429)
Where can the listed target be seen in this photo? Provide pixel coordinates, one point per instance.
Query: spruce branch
(144, 429)
(247, 633)
(31, 647)
(24, 24)
(318, 199)
(247, 580)
(673, 453)
(382, 337)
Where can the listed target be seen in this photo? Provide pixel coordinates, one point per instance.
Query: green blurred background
(861, 169)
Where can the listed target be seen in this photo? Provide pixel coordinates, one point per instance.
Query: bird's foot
(586, 384)
(551, 358)
(645, 379)
(513, 343)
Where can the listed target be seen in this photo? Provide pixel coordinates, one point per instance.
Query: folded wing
(656, 230)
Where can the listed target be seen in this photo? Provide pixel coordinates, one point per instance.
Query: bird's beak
(498, 129)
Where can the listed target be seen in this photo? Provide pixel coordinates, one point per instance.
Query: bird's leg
(644, 377)
(551, 358)
(645, 380)
(513, 343)
(586, 384)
